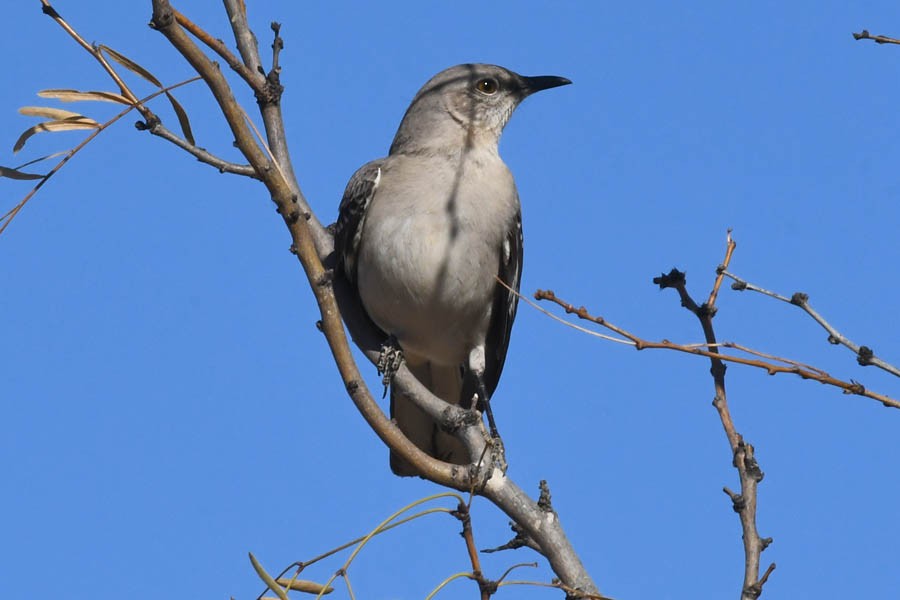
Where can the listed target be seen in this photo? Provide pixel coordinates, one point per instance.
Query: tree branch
(201, 154)
(864, 355)
(878, 39)
(790, 366)
(312, 245)
(743, 457)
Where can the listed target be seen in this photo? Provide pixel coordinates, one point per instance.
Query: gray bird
(425, 233)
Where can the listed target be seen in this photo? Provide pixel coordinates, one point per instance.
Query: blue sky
(169, 405)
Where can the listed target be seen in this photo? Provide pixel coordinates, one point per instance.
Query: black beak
(531, 85)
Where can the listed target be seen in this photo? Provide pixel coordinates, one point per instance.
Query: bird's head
(466, 104)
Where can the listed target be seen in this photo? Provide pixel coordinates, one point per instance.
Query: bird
(426, 234)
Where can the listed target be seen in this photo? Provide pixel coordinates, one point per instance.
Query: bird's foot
(389, 360)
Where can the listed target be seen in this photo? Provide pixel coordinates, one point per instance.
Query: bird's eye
(487, 86)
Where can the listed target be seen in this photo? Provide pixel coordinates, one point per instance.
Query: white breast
(431, 250)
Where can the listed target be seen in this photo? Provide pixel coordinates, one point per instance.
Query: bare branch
(743, 457)
(95, 52)
(485, 587)
(7, 218)
(313, 244)
(254, 79)
(878, 39)
(270, 109)
(864, 355)
(160, 130)
(789, 367)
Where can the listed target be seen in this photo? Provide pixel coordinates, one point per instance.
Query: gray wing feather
(352, 216)
(505, 304)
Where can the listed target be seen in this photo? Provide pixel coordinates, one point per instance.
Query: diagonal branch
(158, 129)
(270, 110)
(878, 39)
(254, 79)
(789, 366)
(864, 355)
(312, 245)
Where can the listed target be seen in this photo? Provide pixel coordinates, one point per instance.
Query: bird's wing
(505, 304)
(352, 216)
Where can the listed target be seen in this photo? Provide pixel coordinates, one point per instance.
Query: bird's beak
(531, 85)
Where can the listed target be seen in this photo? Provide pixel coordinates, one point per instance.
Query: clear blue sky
(168, 404)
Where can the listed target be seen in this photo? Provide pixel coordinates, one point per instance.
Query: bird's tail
(444, 382)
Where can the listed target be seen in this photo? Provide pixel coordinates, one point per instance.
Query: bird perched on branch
(425, 233)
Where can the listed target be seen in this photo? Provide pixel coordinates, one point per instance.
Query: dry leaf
(65, 125)
(57, 114)
(16, 174)
(301, 585)
(182, 118)
(77, 96)
(131, 65)
(138, 69)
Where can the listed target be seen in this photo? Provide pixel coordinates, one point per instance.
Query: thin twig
(201, 154)
(791, 367)
(730, 245)
(152, 121)
(98, 56)
(254, 79)
(485, 587)
(878, 39)
(7, 218)
(742, 452)
(865, 356)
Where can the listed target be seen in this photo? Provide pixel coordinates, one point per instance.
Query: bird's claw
(389, 360)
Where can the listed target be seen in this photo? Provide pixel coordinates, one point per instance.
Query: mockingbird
(425, 233)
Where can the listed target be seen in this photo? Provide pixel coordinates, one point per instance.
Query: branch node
(864, 356)
(737, 501)
(520, 540)
(544, 501)
(326, 278)
(50, 12)
(673, 278)
(856, 388)
(799, 299)
(162, 18)
(705, 310)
